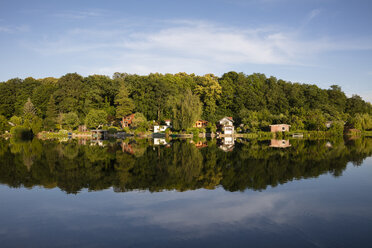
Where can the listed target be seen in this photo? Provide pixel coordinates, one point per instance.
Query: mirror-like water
(161, 193)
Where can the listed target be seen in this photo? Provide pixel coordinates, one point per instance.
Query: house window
(283, 128)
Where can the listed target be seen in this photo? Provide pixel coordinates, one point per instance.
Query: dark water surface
(182, 194)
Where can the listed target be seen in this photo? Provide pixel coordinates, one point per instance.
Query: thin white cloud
(79, 14)
(312, 15)
(4, 29)
(190, 46)
(14, 29)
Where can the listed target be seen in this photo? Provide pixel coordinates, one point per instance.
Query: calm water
(157, 193)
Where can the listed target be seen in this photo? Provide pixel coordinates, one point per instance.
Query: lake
(183, 193)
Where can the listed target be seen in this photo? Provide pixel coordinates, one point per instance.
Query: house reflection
(82, 141)
(279, 143)
(160, 141)
(126, 147)
(201, 144)
(97, 142)
(226, 144)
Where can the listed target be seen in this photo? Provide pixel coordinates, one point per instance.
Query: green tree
(4, 126)
(315, 120)
(124, 104)
(209, 91)
(29, 109)
(36, 124)
(70, 120)
(95, 118)
(16, 120)
(50, 122)
(71, 94)
(337, 128)
(186, 111)
(29, 113)
(139, 121)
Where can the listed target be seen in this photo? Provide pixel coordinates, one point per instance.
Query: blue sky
(321, 42)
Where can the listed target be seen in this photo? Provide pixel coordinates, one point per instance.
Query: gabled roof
(279, 125)
(228, 118)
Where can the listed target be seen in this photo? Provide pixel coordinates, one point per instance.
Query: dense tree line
(255, 101)
(182, 166)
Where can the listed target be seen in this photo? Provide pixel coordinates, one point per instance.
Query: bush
(95, 118)
(126, 129)
(71, 120)
(194, 131)
(167, 131)
(337, 128)
(16, 120)
(20, 132)
(211, 128)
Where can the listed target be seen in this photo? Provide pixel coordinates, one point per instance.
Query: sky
(322, 42)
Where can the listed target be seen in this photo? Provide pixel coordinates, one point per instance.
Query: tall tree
(187, 111)
(50, 121)
(124, 104)
(209, 91)
(71, 94)
(95, 118)
(3, 124)
(28, 108)
(70, 120)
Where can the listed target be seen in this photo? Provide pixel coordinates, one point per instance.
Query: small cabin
(127, 120)
(168, 122)
(226, 125)
(279, 128)
(201, 124)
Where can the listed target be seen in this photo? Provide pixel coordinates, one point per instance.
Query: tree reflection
(181, 165)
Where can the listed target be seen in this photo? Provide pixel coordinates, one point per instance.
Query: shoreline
(253, 135)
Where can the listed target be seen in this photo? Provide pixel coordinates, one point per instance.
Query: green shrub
(167, 131)
(126, 129)
(194, 131)
(21, 132)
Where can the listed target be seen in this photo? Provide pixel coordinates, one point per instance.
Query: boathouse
(226, 125)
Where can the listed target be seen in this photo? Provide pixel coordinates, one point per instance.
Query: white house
(160, 128)
(227, 125)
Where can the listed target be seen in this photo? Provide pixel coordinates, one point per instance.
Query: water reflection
(161, 164)
(226, 144)
(279, 143)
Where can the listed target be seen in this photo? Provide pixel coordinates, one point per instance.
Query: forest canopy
(254, 101)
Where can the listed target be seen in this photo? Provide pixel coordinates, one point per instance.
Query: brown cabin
(201, 123)
(127, 120)
(279, 128)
